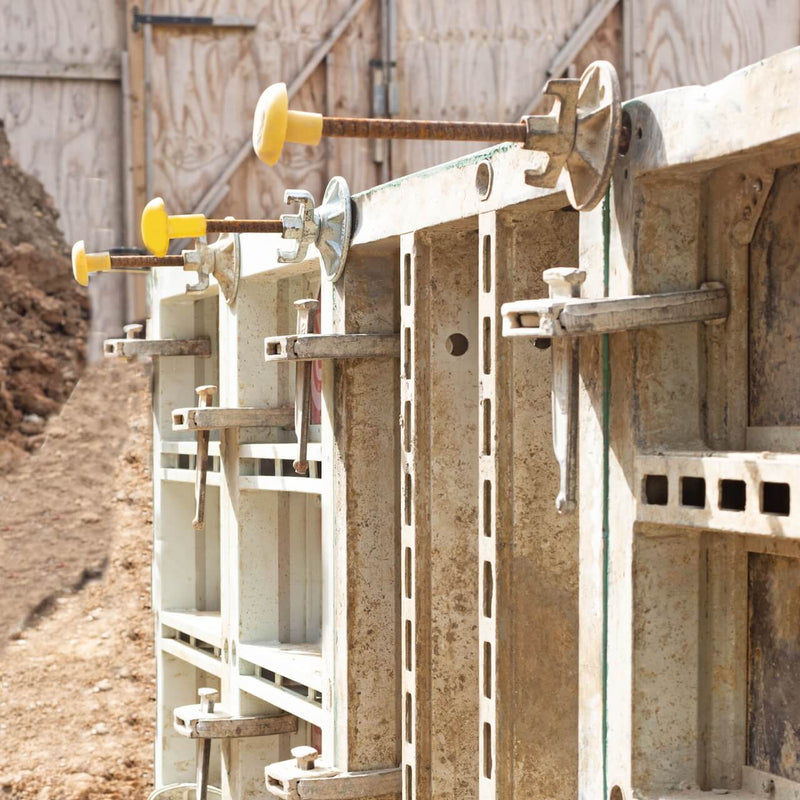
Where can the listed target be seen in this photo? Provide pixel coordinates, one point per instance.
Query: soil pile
(77, 683)
(44, 316)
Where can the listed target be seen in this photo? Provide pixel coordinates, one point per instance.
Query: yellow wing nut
(158, 227)
(274, 124)
(84, 263)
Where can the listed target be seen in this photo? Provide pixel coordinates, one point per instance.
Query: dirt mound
(44, 316)
(77, 683)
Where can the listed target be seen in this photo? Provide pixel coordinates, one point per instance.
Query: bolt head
(305, 756)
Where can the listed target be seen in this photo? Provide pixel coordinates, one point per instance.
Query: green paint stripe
(605, 532)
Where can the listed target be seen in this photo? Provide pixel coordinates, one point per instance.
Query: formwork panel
(439, 366)
(528, 552)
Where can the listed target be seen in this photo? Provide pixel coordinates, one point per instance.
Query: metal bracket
(580, 135)
(222, 259)
(199, 419)
(131, 346)
(327, 227)
(318, 346)
(565, 316)
(195, 723)
(140, 19)
(301, 779)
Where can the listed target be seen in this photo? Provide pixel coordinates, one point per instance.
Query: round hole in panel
(484, 177)
(457, 344)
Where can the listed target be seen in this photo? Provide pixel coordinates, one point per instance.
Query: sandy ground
(77, 683)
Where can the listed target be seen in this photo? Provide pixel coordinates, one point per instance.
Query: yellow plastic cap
(83, 263)
(154, 227)
(158, 228)
(274, 124)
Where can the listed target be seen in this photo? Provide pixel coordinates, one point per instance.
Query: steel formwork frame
(417, 598)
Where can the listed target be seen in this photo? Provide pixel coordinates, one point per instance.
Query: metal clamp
(131, 346)
(206, 721)
(580, 135)
(318, 346)
(565, 316)
(222, 259)
(327, 227)
(301, 778)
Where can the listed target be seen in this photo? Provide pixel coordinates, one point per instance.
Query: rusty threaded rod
(244, 226)
(145, 262)
(362, 128)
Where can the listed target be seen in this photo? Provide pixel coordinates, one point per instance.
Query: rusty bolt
(205, 395)
(133, 330)
(207, 699)
(305, 756)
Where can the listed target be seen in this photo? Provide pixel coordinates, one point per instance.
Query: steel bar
(244, 226)
(364, 128)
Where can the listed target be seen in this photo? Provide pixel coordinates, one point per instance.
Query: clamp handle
(84, 263)
(158, 227)
(274, 124)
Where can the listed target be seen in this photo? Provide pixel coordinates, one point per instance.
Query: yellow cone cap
(83, 263)
(158, 227)
(274, 124)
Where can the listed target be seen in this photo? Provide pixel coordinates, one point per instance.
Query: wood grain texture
(479, 61)
(679, 42)
(206, 84)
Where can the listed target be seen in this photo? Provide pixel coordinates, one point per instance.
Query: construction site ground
(77, 672)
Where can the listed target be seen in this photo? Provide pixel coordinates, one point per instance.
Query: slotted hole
(487, 508)
(408, 645)
(656, 490)
(407, 279)
(408, 717)
(487, 426)
(487, 669)
(407, 426)
(409, 783)
(487, 345)
(408, 572)
(487, 263)
(407, 499)
(487, 750)
(775, 498)
(407, 353)
(488, 588)
(732, 494)
(693, 492)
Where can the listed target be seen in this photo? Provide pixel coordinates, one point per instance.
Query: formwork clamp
(301, 778)
(557, 322)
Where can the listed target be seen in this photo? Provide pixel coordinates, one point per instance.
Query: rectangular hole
(273, 348)
(693, 492)
(775, 498)
(407, 499)
(656, 490)
(183, 461)
(407, 279)
(488, 588)
(408, 572)
(487, 263)
(407, 353)
(487, 508)
(266, 466)
(487, 345)
(487, 426)
(407, 426)
(732, 494)
(487, 669)
(487, 750)
(408, 643)
(409, 783)
(408, 717)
